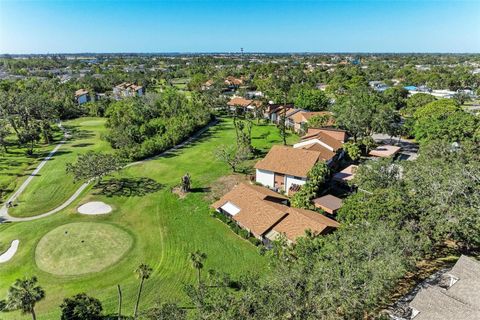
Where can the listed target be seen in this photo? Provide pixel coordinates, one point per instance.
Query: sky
(68, 26)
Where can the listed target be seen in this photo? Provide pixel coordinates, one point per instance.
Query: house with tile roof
(284, 167)
(322, 137)
(242, 104)
(298, 120)
(265, 215)
(125, 90)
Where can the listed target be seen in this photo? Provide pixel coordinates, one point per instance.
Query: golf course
(72, 253)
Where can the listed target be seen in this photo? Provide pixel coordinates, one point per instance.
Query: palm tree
(197, 258)
(143, 272)
(23, 295)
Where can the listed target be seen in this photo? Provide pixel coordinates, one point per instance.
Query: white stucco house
(285, 167)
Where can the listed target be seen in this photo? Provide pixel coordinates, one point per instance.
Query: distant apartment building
(125, 90)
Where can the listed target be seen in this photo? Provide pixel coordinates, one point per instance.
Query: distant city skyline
(206, 26)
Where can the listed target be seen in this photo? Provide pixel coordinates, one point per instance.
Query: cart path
(5, 217)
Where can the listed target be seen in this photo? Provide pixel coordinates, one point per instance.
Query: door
(280, 181)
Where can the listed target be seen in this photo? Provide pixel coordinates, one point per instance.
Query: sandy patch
(7, 255)
(94, 207)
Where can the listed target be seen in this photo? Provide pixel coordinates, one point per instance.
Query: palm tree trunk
(119, 302)
(198, 273)
(138, 299)
(34, 316)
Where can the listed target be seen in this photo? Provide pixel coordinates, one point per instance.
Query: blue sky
(43, 26)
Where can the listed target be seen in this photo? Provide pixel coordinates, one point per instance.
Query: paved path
(4, 210)
(5, 217)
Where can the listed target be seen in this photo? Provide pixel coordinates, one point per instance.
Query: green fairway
(164, 229)
(80, 248)
(51, 187)
(15, 165)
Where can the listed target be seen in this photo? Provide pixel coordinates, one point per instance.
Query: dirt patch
(178, 191)
(223, 185)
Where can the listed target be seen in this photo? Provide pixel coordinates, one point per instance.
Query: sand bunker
(7, 255)
(94, 207)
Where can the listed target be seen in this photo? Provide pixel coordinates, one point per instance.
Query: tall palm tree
(23, 295)
(197, 258)
(143, 272)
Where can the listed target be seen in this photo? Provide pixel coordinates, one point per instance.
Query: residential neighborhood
(245, 160)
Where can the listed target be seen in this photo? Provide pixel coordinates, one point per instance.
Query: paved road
(5, 217)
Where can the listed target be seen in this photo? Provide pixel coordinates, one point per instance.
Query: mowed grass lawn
(51, 187)
(164, 230)
(15, 165)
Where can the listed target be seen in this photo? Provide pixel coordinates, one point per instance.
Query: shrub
(244, 233)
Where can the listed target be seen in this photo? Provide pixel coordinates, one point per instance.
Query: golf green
(81, 248)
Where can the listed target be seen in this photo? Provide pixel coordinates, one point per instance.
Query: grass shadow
(127, 187)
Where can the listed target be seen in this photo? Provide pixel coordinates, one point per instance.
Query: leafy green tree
(232, 156)
(312, 100)
(94, 165)
(417, 101)
(377, 174)
(316, 177)
(197, 259)
(4, 133)
(319, 121)
(386, 120)
(444, 120)
(355, 112)
(23, 295)
(396, 96)
(81, 307)
(461, 98)
(353, 150)
(143, 272)
(166, 311)
(444, 181)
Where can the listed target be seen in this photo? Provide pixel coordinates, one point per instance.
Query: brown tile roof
(328, 202)
(126, 85)
(346, 174)
(335, 133)
(288, 160)
(239, 101)
(260, 215)
(325, 138)
(256, 214)
(323, 153)
(304, 116)
(384, 151)
(298, 221)
(232, 80)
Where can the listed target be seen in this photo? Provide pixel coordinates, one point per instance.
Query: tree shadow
(82, 145)
(200, 189)
(127, 187)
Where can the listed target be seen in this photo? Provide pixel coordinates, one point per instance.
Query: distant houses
(125, 90)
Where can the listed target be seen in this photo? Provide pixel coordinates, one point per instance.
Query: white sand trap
(7, 255)
(94, 207)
